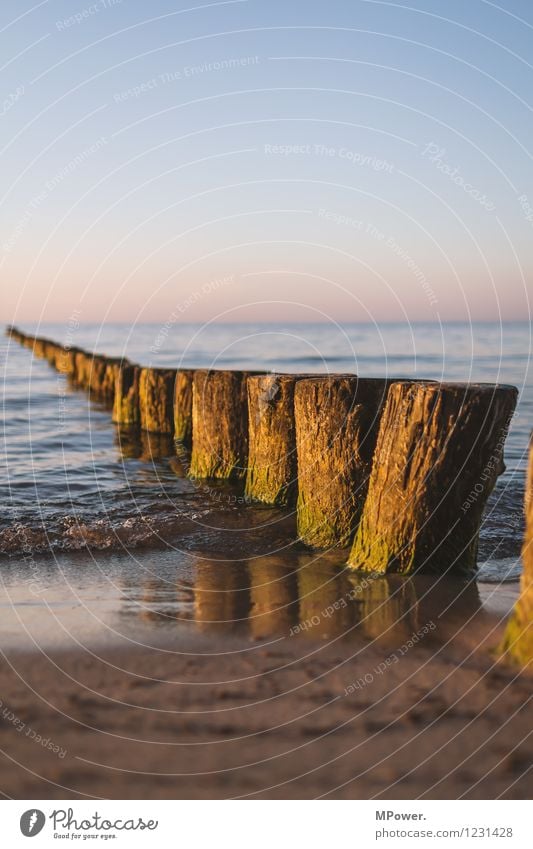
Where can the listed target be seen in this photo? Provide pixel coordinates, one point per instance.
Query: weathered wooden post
(50, 351)
(337, 419)
(518, 639)
(156, 394)
(183, 406)
(83, 364)
(439, 452)
(271, 476)
(39, 346)
(274, 596)
(96, 374)
(126, 411)
(66, 361)
(219, 424)
(109, 377)
(103, 374)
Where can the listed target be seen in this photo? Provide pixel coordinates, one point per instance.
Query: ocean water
(73, 486)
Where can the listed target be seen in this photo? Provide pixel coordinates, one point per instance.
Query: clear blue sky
(357, 160)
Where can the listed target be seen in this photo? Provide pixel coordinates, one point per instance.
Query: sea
(99, 525)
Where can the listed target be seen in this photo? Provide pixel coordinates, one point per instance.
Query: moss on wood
(183, 406)
(156, 396)
(336, 425)
(438, 454)
(518, 639)
(219, 425)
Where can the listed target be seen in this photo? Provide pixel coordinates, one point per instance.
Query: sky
(257, 160)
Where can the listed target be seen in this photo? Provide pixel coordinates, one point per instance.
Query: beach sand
(301, 717)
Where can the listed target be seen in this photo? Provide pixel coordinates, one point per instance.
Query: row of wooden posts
(400, 470)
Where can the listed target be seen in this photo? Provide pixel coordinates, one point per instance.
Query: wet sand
(270, 713)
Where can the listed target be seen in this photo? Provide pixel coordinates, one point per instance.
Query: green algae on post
(438, 454)
(271, 474)
(336, 420)
(219, 424)
(156, 395)
(183, 406)
(126, 410)
(518, 639)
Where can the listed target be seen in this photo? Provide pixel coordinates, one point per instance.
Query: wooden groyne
(399, 469)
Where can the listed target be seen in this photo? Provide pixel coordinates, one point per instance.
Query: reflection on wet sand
(221, 596)
(326, 609)
(308, 597)
(273, 595)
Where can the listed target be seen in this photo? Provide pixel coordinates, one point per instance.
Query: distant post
(156, 396)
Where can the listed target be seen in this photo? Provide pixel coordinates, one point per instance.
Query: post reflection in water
(326, 609)
(386, 609)
(221, 595)
(140, 445)
(303, 596)
(274, 596)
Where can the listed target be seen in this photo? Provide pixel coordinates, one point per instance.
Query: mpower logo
(32, 822)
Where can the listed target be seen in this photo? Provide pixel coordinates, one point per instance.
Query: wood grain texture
(272, 470)
(219, 425)
(336, 419)
(183, 406)
(156, 397)
(126, 410)
(439, 452)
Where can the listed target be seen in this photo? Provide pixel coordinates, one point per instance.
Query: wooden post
(39, 346)
(156, 394)
(96, 374)
(126, 411)
(183, 406)
(66, 361)
(50, 351)
(518, 639)
(82, 374)
(112, 367)
(337, 418)
(438, 454)
(219, 424)
(271, 477)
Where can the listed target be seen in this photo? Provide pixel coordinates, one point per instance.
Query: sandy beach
(300, 717)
